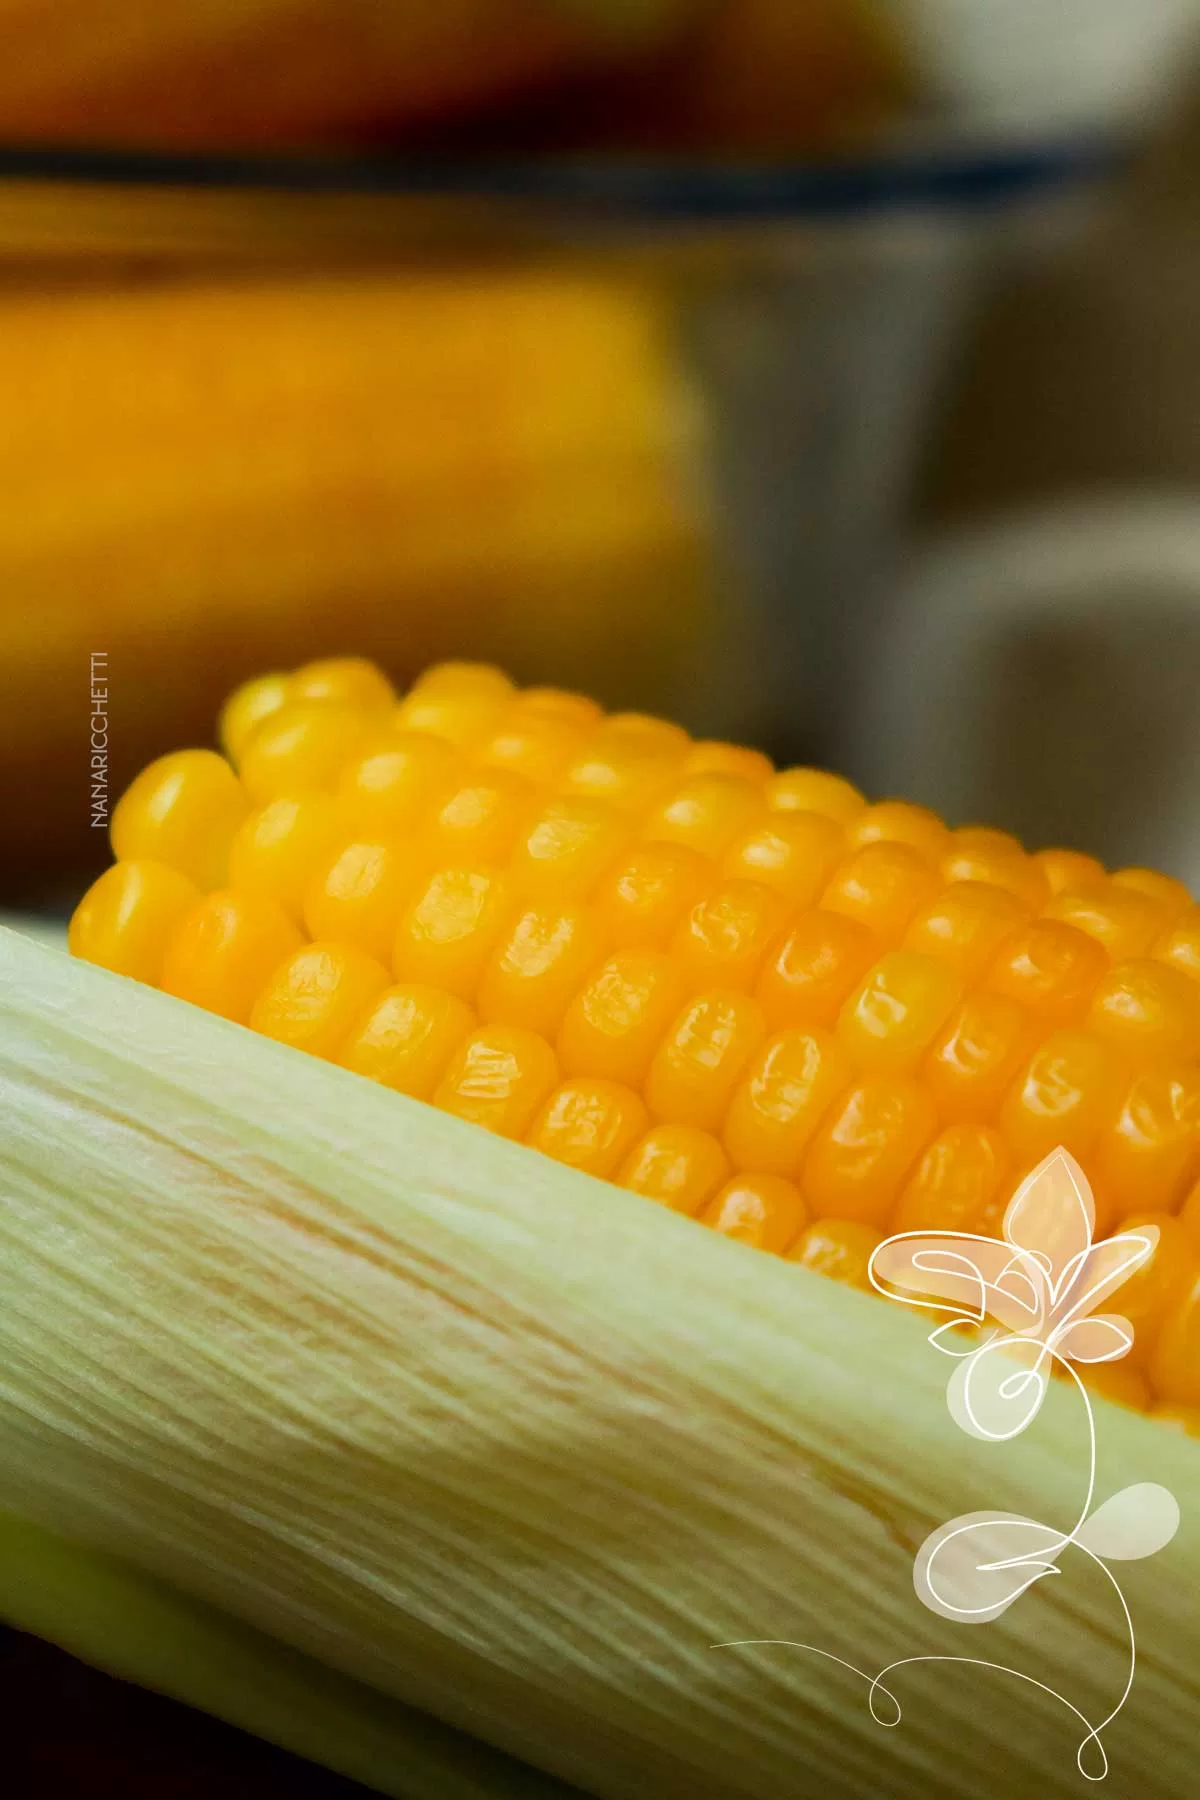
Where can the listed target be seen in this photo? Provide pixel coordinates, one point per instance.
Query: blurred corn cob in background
(194, 476)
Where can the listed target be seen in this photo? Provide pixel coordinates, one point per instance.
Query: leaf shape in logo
(978, 1276)
(972, 1568)
(1052, 1215)
(1134, 1522)
(996, 1392)
(1102, 1339)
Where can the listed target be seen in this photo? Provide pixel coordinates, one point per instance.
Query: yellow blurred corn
(751, 995)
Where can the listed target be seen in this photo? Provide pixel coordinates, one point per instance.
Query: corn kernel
(1051, 969)
(992, 857)
(408, 1038)
(316, 998)
(223, 951)
(814, 790)
(246, 707)
(677, 1165)
(971, 1066)
(1122, 920)
(463, 709)
(498, 1079)
(764, 1211)
(615, 1023)
(706, 812)
(183, 811)
(1118, 1382)
(838, 1248)
(1147, 1009)
(786, 1091)
(449, 929)
(647, 728)
(725, 937)
(864, 1149)
(356, 895)
(279, 848)
(539, 964)
(882, 886)
(303, 746)
(960, 1184)
(125, 920)
(569, 849)
(898, 822)
(806, 979)
(482, 680)
(1179, 946)
(1156, 1286)
(702, 1058)
(641, 903)
(624, 769)
(1147, 1153)
(351, 680)
(712, 758)
(1171, 894)
(557, 703)
(590, 1125)
(531, 744)
(896, 1013)
(1175, 1363)
(966, 925)
(1065, 1094)
(478, 821)
(1070, 871)
(396, 783)
(794, 853)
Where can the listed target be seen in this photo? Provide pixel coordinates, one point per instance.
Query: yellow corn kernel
(966, 925)
(396, 783)
(764, 1211)
(1179, 946)
(1175, 1363)
(462, 703)
(898, 822)
(278, 849)
(882, 885)
(1070, 871)
(1064, 1095)
(222, 952)
(960, 1184)
(351, 680)
(677, 1165)
(408, 1038)
(498, 1079)
(628, 770)
(1122, 920)
(814, 790)
(1147, 1010)
(794, 853)
(807, 976)
(641, 903)
(968, 1070)
(246, 708)
(316, 998)
(447, 679)
(1147, 1152)
(702, 1058)
(786, 1091)
(706, 812)
(449, 929)
(126, 918)
(357, 895)
(478, 821)
(898, 1011)
(992, 857)
(1118, 1382)
(303, 747)
(864, 1149)
(183, 811)
(615, 1023)
(534, 745)
(648, 728)
(1155, 1288)
(557, 703)
(1171, 894)
(590, 1125)
(540, 962)
(710, 757)
(1051, 969)
(723, 940)
(839, 1248)
(569, 849)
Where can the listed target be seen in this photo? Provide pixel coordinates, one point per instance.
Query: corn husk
(517, 1449)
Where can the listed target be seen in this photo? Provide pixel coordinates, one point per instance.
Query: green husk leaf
(517, 1448)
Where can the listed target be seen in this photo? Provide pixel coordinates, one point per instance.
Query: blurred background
(819, 372)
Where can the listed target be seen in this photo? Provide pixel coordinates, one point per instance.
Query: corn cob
(803, 1019)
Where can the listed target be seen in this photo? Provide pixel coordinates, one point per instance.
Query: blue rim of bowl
(958, 178)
